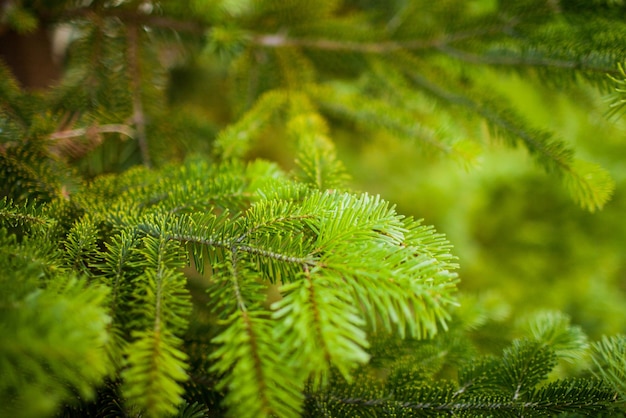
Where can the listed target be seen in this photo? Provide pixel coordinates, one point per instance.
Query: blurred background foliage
(522, 243)
(519, 237)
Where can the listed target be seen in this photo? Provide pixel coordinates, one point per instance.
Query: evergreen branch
(31, 174)
(376, 113)
(283, 41)
(80, 245)
(617, 98)
(53, 344)
(12, 99)
(130, 17)
(118, 261)
(257, 384)
(155, 365)
(481, 390)
(413, 292)
(589, 185)
(65, 145)
(588, 402)
(609, 356)
(246, 357)
(554, 329)
(510, 60)
(139, 119)
(232, 245)
(316, 157)
(234, 140)
(15, 216)
(118, 266)
(302, 261)
(321, 327)
(29, 255)
(550, 154)
(93, 130)
(524, 365)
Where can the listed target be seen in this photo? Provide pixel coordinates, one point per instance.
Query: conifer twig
(137, 19)
(66, 144)
(282, 41)
(101, 129)
(521, 61)
(139, 119)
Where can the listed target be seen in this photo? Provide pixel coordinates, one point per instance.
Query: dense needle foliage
(179, 237)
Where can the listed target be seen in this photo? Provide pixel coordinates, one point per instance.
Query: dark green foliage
(512, 385)
(155, 263)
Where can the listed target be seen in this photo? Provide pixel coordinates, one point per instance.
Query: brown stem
(111, 128)
(282, 41)
(30, 58)
(138, 19)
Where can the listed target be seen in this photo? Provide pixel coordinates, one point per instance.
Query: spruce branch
(53, 344)
(138, 118)
(12, 106)
(617, 98)
(155, 363)
(589, 184)
(376, 113)
(130, 17)
(13, 215)
(513, 60)
(70, 142)
(253, 374)
(280, 40)
(609, 356)
(93, 130)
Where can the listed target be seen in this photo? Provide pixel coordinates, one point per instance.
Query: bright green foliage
(316, 246)
(54, 331)
(618, 97)
(155, 263)
(610, 357)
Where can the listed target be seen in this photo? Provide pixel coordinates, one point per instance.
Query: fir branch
(609, 356)
(130, 17)
(70, 142)
(12, 103)
(617, 99)
(280, 40)
(589, 185)
(234, 141)
(155, 363)
(80, 245)
(510, 59)
(377, 113)
(321, 327)
(257, 383)
(139, 118)
(480, 390)
(93, 130)
(13, 215)
(53, 344)
(550, 154)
